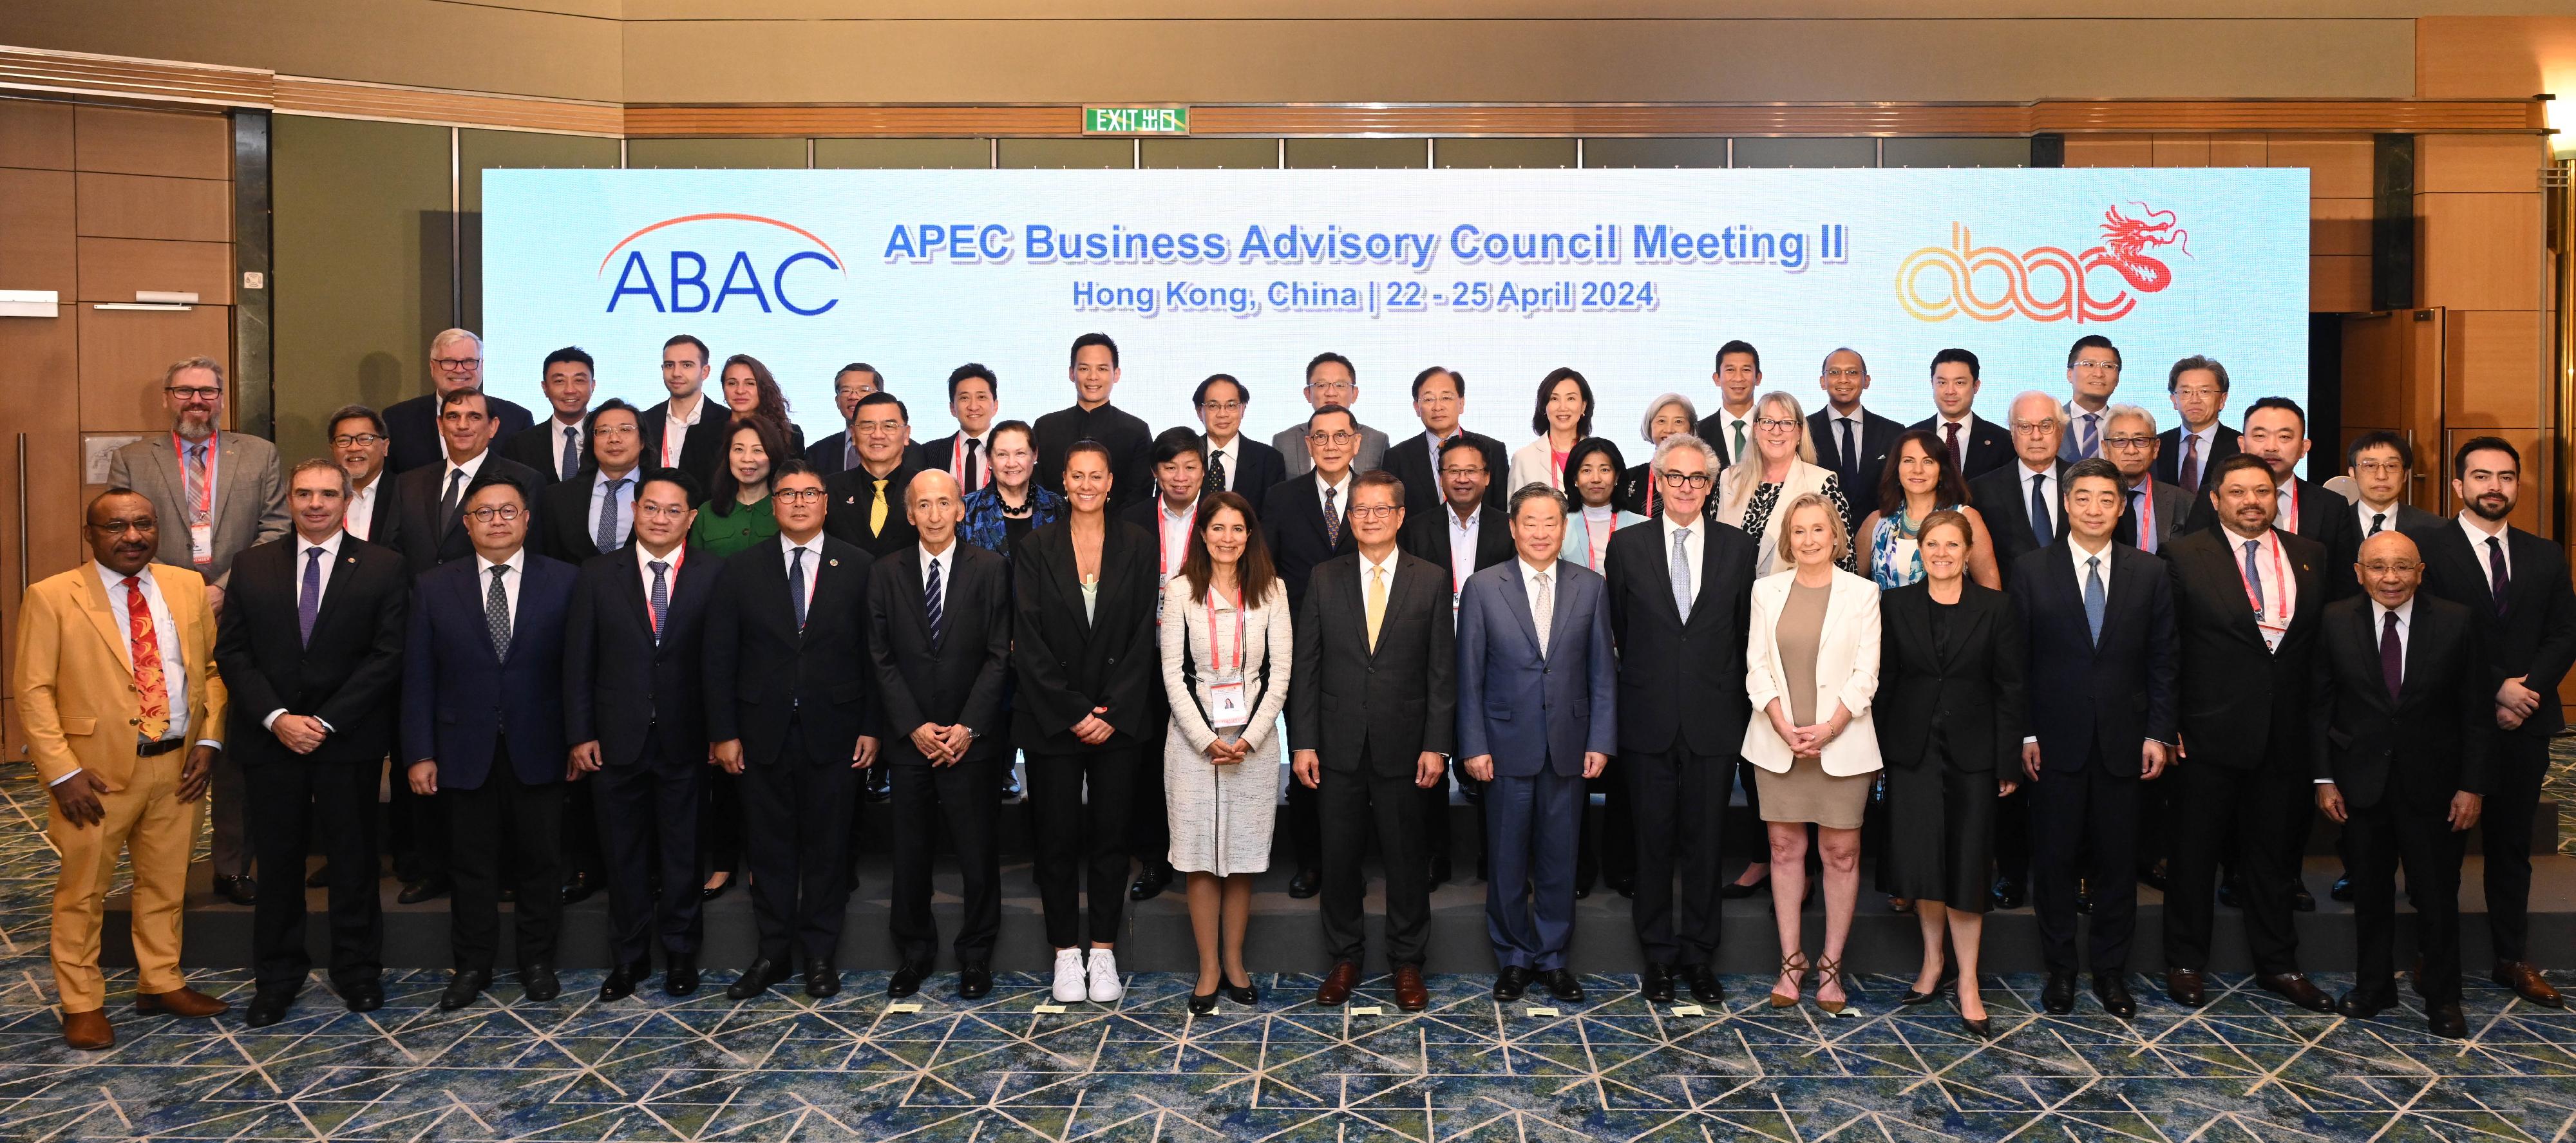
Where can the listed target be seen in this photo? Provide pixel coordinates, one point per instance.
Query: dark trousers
(416, 831)
(960, 797)
(2084, 824)
(1437, 838)
(2216, 809)
(1680, 807)
(796, 814)
(1530, 833)
(2521, 761)
(524, 820)
(290, 801)
(647, 812)
(1354, 805)
(2155, 815)
(2013, 837)
(582, 844)
(2377, 840)
(1149, 822)
(227, 795)
(720, 824)
(1081, 802)
(1607, 854)
(1305, 827)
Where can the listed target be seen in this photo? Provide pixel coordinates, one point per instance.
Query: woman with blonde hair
(1781, 469)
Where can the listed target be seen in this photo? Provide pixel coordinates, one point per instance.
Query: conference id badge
(201, 542)
(1226, 708)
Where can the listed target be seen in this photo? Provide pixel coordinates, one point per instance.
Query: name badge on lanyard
(201, 511)
(1227, 709)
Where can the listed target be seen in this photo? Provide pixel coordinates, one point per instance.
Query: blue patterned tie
(612, 534)
(796, 584)
(2040, 529)
(930, 599)
(496, 613)
(308, 603)
(661, 599)
(2092, 446)
(2254, 578)
(571, 453)
(1681, 573)
(2095, 599)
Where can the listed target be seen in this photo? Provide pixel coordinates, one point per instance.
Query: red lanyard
(679, 555)
(2279, 596)
(1216, 645)
(1163, 538)
(204, 508)
(2293, 528)
(2147, 516)
(957, 456)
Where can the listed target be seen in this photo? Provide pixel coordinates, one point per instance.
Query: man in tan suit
(116, 686)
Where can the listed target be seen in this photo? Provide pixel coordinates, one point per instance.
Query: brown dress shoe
(2183, 986)
(1338, 984)
(180, 1001)
(2297, 989)
(88, 1031)
(1409, 993)
(2526, 982)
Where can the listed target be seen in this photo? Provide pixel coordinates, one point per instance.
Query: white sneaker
(1068, 976)
(1105, 988)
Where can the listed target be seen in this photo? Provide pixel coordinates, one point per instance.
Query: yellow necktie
(877, 512)
(1376, 604)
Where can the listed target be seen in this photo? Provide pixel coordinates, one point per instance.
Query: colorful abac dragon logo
(2047, 283)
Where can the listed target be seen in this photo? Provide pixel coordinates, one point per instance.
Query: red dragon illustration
(2125, 241)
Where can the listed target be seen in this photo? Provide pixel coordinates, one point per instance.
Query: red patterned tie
(143, 642)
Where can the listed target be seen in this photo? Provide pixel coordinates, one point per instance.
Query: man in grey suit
(1537, 715)
(1330, 380)
(2154, 509)
(2381, 464)
(219, 495)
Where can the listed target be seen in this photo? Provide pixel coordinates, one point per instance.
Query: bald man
(2401, 720)
(455, 362)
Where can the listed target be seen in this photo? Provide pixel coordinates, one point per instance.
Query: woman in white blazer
(1811, 668)
(1564, 417)
(1781, 469)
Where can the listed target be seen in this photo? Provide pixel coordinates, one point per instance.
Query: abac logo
(1990, 283)
(684, 289)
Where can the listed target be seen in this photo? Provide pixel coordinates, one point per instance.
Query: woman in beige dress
(1811, 668)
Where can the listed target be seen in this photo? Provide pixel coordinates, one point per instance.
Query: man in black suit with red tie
(634, 654)
(2399, 719)
(2515, 584)
(1305, 520)
(310, 646)
(1977, 446)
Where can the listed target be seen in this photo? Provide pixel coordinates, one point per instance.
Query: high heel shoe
(1794, 967)
(1202, 1003)
(1243, 993)
(711, 892)
(1738, 890)
(1829, 972)
(1982, 1027)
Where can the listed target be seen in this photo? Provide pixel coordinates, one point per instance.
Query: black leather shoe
(880, 784)
(2446, 1022)
(2183, 986)
(907, 980)
(1738, 890)
(2357, 1005)
(2227, 894)
(2084, 896)
(756, 979)
(1656, 984)
(1202, 1003)
(537, 981)
(1624, 886)
(974, 982)
(238, 890)
(1010, 785)
(1511, 982)
(1150, 883)
(1440, 873)
(621, 980)
(822, 978)
(679, 974)
(2009, 894)
(1306, 883)
(2112, 990)
(320, 877)
(1560, 983)
(2058, 996)
(2156, 875)
(2301, 899)
(463, 986)
(2342, 890)
(579, 887)
(425, 889)
(1583, 880)
(2296, 988)
(268, 1007)
(364, 996)
(1704, 990)
(706, 894)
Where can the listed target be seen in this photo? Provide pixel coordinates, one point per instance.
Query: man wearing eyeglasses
(559, 448)
(2154, 509)
(1439, 399)
(2197, 386)
(1306, 521)
(359, 443)
(595, 514)
(2093, 373)
(217, 494)
(2381, 464)
(483, 729)
(1331, 379)
(455, 363)
(1235, 463)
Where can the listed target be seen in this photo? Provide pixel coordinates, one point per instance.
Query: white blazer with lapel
(1846, 672)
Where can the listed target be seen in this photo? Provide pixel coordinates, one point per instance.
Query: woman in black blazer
(1088, 670)
(1950, 715)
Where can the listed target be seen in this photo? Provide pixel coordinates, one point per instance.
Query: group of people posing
(651, 649)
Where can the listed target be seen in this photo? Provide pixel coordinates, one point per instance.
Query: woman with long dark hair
(1563, 417)
(751, 390)
(1920, 479)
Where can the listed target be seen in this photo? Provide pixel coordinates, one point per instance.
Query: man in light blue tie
(2092, 374)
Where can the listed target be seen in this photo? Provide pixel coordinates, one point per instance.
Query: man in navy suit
(632, 656)
(456, 363)
(1977, 446)
(483, 729)
(1850, 440)
(1537, 715)
(2198, 388)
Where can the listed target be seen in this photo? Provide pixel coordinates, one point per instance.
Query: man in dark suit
(595, 513)
(1729, 430)
(1537, 716)
(1850, 440)
(1331, 379)
(2516, 585)
(559, 448)
(2198, 387)
(1305, 520)
(867, 502)
(839, 452)
(1178, 464)
(2092, 377)
(1977, 446)
(939, 623)
(1439, 397)
(2399, 718)
(634, 651)
(1235, 463)
(2099, 618)
(2247, 601)
(2381, 464)
(2151, 511)
(430, 520)
(483, 729)
(358, 442)
(1371, 720)
(413, 424)
(1465, 535)
(2024, 507)
(687, 431)
(792, 709)
(310, 648)
(1681, 593)
(967, 454)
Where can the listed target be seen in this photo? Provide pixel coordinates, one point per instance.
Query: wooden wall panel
(2240, 151)
(41, 353)
(112, 269)
(148, 206)
(122, 354)
(37, 250)
(2338, 165)
(2110, 151)
(34, 133)
(2507, 164)
(2479, 251)
(135, 141)
(2339, 226)
(2181, 151)
(2470, 57)
(2338, 284)
(2493, 369)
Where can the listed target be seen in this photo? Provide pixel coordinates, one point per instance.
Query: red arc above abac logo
(2045, 283)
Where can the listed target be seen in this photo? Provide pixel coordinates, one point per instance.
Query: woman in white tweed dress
(1225, 633)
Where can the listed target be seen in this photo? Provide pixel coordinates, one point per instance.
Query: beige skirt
(1807, 794)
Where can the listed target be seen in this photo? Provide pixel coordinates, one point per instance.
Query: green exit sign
(1135, 121)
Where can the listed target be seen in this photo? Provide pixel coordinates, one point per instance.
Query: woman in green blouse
(737, 511)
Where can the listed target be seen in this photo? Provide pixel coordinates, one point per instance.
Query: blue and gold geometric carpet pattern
(786, 1067)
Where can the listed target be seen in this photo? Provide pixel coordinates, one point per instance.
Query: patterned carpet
(2248, 1067)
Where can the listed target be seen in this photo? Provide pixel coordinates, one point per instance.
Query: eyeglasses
(455, 362)
(1472, 470)
(1832, 374)
(2098, 363)
(2197, 392)
(1340, 438)
(2129, 444)
(1776, 424)
(662, 511)
(611, 432)
(356, 440)
(2385, 567)
(1694, 481)
(1374, 511)
(797, 495)
(195, 392)
(1222, 406)
(2035, 428)
(488, 513)
(2380, 467)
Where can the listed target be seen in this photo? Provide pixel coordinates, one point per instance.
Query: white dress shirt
(555, 431)
(471, 466)
(670, 576)
(2074, 441)
(675, 428)
(165, 632)
(1529, 583)
(945, 561)
(518, 565)
(1173, 533)
(330, 548)
(813, 560)
(2076, 548)
(1462, 548)
(2272, 570)
(1387, 568)
(2362, 512)
(1340, 504)
(599, 482)
(2478, 538)
(2405, 613)
(1232, 453)
(2048, 491)
(360, 518)
(1694, 546)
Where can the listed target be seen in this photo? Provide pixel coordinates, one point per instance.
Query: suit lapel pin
(834, 563)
